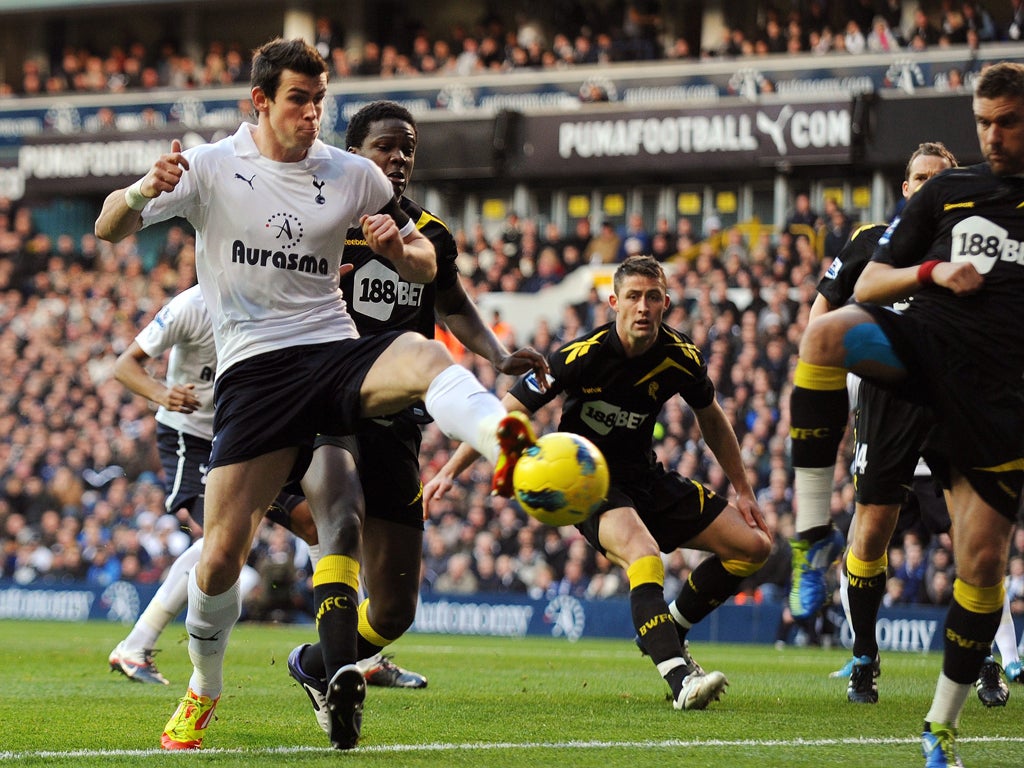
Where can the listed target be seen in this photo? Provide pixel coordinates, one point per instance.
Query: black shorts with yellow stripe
(674, 508)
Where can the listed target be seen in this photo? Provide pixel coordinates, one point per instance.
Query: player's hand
(751, 512)
(344, 269)
(166, 172)
(181, 398)
(382, 235)
(435, 490)
(961, 277)
(523, 360)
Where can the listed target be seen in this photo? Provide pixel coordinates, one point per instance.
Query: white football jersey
(183, 327)
(269, 239)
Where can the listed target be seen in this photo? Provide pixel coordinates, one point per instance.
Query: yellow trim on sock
(819, 377)
(368, 633)
(337, 568)
(863, 568)
(979, 599)
(741, 568)
(646, 570)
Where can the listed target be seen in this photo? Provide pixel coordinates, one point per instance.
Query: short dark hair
(643, 265)
(998, 80)
(274, 57)
(931, 149)
(359, 125)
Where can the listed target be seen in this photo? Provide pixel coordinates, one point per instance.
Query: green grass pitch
(490, 702)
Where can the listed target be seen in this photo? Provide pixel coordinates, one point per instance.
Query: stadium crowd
(80, 492)
(581, 34)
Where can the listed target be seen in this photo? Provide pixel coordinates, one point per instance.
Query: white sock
(465, 411)
(248, 580)
(211, 617)
(844, 597)
(314, 554)
(170, 600)
(812, 491)
(948, 702)
(1006, 636)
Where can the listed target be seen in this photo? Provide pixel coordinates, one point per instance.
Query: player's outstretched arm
(462, 317)
(121, 214)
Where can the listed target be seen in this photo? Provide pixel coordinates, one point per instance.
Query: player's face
(391, 144)
(922, 169)
(640, 304)
(292, 116)
(1000, 124)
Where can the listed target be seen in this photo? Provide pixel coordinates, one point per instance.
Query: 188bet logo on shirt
(377, 290)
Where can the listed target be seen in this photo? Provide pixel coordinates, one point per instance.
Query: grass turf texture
(490, 702)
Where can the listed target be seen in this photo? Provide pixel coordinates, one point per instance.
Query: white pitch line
(485, 747)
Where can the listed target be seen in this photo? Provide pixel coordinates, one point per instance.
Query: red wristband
(924, 272)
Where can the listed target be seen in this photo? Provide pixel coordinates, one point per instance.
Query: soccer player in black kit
(387, 450)
(958, 249)
(615, 381)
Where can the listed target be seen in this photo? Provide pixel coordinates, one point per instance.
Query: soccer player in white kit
(271, 206)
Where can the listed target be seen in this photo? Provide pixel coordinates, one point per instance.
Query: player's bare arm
(462, 317)
(883, 283)
(413, 256)
(129, 370)
(121, 214)
(721, 439)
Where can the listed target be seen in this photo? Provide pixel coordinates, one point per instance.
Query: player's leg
(981, 537)
(628, 544)
(392, 553)
(414, 368)
(332, 488)
(1006, 642)
(237, 496)
(866, 565)
(840, 341)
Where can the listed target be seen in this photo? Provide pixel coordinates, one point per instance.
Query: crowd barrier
(906, 629)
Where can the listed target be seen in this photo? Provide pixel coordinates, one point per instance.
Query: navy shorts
(674, 508)
(185, 459)
(282, 399)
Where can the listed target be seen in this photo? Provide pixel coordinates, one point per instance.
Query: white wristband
(134, 198)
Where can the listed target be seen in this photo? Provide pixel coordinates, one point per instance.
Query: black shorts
(925, 511)
(185, 459)
(979, 418)
(674, 509)
(280, 510)
(387, 453)
(284, 398)
(889, 433)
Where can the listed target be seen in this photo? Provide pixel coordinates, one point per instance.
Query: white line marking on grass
(484, 747)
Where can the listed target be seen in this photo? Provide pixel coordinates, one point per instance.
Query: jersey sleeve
(911, 234)
(838, 282)
(172, 325)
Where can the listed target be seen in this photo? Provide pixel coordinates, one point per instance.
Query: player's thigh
(729, 537)
(401, 373)
(981, 536)
(623, 536)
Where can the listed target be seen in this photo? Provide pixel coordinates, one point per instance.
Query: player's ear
(613, 301)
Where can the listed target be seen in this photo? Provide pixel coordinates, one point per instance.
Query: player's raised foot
(381, 671)
(345, 695)
(515, 435)
(314, 687)
(700, 689)
(938, 744)
(863, 685)
(811, 561)
(187, 726)
(136, 664)
(1013, 672)
(992, 689)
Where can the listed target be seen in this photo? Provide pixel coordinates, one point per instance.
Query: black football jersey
(614, 400)
(968, 214)
(378, 299)
(838, 282)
